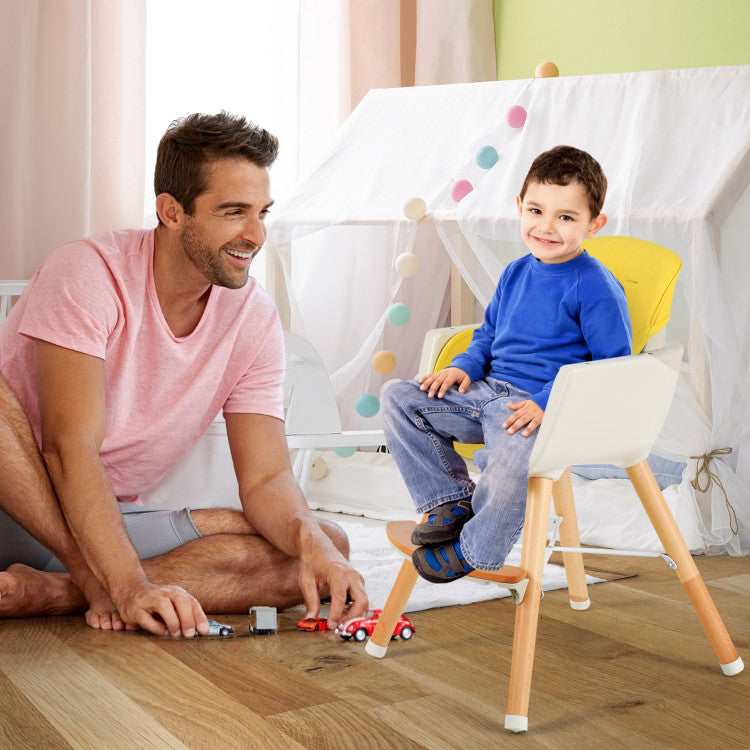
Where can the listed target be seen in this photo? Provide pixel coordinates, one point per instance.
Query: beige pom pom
(407, 264)
(546, 70)
(319, 468)
(415, 209)
(384, 362)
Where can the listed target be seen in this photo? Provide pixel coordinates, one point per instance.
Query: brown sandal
(444, 523)
(449, 558)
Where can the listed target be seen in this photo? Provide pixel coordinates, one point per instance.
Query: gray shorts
(153, 533)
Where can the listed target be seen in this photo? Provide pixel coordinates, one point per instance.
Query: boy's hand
(442, 380)
(527, 413)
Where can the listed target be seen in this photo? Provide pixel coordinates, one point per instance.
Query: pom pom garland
(398, 314)
(460, 189)
(384, 362)
(486, 157)
(415, 209)
(407, 264)
(319, 468)
(345, 452)
(546, 70)
(516, 116)
(367, 405)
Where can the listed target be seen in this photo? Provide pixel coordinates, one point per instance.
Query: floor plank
(64, 687)
(635, 670)
(23, 727)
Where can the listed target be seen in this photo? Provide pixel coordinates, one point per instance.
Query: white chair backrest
(609, 411)
(9, 290)
(309, 402)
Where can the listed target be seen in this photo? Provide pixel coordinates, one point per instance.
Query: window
(235, 55)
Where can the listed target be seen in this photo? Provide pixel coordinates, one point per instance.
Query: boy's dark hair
(563, 164)
(193, 143)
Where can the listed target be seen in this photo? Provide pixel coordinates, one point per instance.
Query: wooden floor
(634, 671)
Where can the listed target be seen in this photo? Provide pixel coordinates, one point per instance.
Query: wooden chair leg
(562, 496)
(527, 612)
(674, 545)
(397, 599)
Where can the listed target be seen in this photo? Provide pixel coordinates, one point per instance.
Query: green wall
(618, 36)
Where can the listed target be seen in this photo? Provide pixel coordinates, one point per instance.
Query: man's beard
(211, 263)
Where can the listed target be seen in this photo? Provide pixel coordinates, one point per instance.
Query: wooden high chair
(609, 411)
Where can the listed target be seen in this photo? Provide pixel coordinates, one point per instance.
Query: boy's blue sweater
(544, 316)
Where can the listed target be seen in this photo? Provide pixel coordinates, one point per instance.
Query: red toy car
(312, 624)
(360, 627)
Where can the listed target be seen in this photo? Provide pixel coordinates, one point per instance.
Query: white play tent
(675, 146)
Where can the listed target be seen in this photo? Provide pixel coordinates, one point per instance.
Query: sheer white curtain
(89, 86)
(339, 275)
(72, 131)
(235, 55)
(281, 64)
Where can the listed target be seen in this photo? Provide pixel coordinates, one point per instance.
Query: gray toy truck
(262, 620)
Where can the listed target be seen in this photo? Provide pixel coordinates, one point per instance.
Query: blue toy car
(216, 628)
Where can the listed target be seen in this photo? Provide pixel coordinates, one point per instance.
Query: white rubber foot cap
(580, 605)
(516, 723)
(374, 650)
(734, 668)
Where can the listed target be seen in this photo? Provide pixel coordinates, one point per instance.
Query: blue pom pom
(345, 452)
(368, 405)
(398, 315)
(487, 157)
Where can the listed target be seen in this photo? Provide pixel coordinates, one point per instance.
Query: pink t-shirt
(97, 296)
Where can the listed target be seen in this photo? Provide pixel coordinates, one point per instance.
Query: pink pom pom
(516, 116)
(460, 189)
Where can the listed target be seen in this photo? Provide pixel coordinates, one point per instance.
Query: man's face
(555, 219)
(227, 227)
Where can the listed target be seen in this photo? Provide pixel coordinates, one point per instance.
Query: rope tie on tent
(703, 472)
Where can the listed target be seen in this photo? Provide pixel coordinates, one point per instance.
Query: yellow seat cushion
(648, 274)
(457, 344)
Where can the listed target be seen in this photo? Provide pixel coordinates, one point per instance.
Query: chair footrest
(399, 535)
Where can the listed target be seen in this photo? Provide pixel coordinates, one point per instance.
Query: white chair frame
(312, 415)
(8, 291)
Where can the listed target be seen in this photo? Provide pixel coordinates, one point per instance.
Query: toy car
(313, 624)
(360, 627)
(216, 628)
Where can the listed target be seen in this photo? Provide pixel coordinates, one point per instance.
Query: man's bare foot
(103, 615)
(26, 592)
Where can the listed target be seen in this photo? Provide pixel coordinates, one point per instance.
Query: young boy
(555, 306)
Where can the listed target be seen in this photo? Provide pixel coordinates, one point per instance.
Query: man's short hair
(563, 164)
(191, 144)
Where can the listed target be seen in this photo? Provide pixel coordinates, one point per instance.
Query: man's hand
(527, 414)
(324, 568)
(442, 380)
(162, 610)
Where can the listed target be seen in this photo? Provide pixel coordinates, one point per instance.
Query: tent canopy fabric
(675, 146)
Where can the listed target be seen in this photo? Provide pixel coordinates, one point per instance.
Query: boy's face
(555, 219)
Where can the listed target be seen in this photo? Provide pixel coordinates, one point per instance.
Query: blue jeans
(420, 432)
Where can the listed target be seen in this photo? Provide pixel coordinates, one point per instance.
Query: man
(114, 361)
